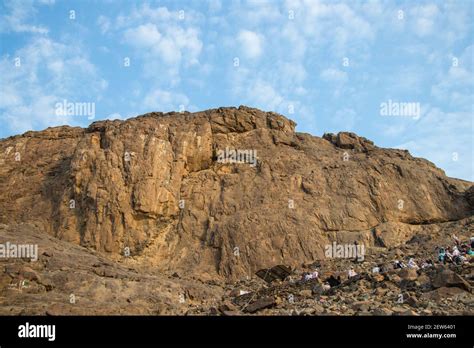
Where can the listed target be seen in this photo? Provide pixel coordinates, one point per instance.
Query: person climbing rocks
(326, 286)
(312, 275)
(459, 260)
(456, 252)
(442, 255)
(306, 276)
(398, 264)
(456, 239)
(412, 264)
(449, 255)
(427, 264)
(333, 281)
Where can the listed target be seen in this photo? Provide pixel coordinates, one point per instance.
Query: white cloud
(20, 16)
(291, 73)
(146, 35)
(49, 72)
(162, 36)
(214, 5)
(438, 136)
(345, 119)
(104, 24)
(255, 91)
(455, 84)
(424, 17)
(257, 12)
(337, 25)
(172, 45)
(265, 95)
(291, 35)
(250, 44)
(333, 75)
(142, 14)
(161, 100)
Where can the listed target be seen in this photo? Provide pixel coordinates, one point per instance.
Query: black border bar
(165, 330)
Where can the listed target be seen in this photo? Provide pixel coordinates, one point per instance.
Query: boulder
(260, 304)
(408, 274)
(361, 306)
(306, 293)
(448, 278)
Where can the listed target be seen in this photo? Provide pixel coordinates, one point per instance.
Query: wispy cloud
(328, 65)
(19, 16)
(38, 76)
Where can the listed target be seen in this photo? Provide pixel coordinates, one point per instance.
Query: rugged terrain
(139, 216)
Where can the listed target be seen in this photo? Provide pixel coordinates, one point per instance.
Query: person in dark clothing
(333, 281)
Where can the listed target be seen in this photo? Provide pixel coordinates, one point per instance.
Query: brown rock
(29, 273)
(408, 274)
(306, 293)
(399, 309)
(423, 279)
(226, 307)
(448, 278)
(361, 306)
(154, 185)
(121, 203)
(443, 293)
(378, 277)
(382, 311)
(259, 304)
(317, 308)
(411, 301)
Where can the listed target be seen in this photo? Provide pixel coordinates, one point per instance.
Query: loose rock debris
(276, 272)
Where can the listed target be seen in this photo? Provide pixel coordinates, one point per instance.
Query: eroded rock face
(153, 186)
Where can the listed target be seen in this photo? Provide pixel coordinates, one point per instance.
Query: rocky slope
(152, 192)
(69, 279)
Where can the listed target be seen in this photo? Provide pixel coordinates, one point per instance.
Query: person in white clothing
(412, 264)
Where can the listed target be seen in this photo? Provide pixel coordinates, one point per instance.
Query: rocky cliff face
(155, 188)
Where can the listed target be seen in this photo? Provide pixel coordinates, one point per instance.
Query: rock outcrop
(154, 188)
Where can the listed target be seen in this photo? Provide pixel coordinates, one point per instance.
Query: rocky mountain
(220, 194)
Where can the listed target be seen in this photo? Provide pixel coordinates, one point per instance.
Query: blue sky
(327, 65)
